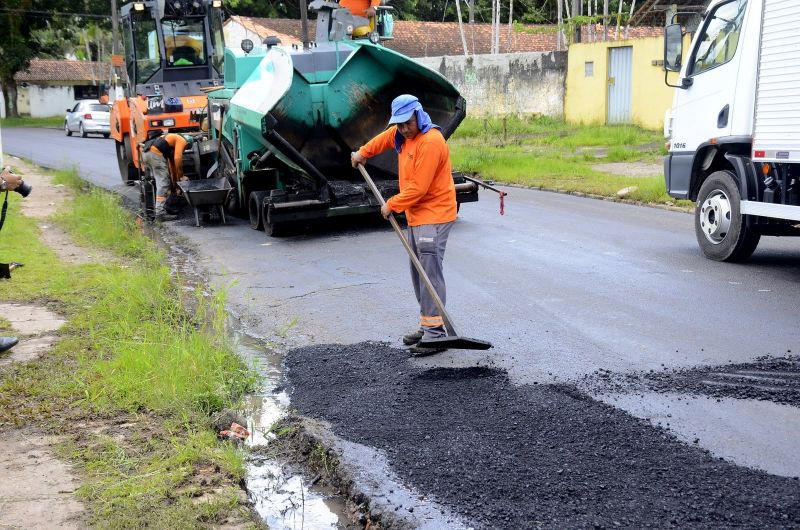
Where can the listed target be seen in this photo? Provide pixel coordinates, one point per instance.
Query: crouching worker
(163, 155)
(428, 198)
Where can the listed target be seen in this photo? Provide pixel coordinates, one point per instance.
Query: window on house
(588, 68)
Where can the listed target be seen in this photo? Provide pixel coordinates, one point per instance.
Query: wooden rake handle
(448, 324)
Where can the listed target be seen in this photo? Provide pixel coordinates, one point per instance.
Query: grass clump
(27, 121)
(542, 152)
(141, 365)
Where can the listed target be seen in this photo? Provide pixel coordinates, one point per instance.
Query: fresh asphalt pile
(775, 379)
(507, 456)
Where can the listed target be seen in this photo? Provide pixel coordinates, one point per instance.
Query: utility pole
(577, 9)
(471, 9)
(115, 73)
(304, 24)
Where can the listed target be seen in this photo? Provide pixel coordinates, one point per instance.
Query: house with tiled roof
(429, 39)
(48, 87)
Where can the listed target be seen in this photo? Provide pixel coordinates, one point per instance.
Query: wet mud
(506, 456)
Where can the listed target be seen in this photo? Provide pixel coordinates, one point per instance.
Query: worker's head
(404, 114)
(189, 138)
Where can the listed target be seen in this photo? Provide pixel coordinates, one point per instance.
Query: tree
(21, 20)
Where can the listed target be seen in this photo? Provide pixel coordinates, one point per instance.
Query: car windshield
(99, 108)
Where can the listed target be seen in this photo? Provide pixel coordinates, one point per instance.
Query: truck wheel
(66, 129)
(275, 229)
(255, 207)
(721, 230)
(127, 170)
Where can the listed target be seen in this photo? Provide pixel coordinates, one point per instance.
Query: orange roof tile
(54, 70)
(433, 39)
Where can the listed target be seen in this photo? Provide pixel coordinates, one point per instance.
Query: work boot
(419, 351)
(412, 338)
(165, 216)
(6, 343)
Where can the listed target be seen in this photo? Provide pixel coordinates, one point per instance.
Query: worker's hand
(370, 12)
(357, 158)
(12, 179)
(386, 211)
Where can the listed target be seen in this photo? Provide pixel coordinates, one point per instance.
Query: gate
(619, 84)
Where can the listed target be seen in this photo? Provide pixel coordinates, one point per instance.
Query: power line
(51, 13)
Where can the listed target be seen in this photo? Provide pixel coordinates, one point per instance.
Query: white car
(88, 117)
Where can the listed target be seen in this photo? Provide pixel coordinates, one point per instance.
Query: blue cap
(403, 107)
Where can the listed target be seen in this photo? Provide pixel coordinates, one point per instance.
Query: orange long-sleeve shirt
(178, 145)
(359, 7)
(427, 193)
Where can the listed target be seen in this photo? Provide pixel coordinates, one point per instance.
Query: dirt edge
(309, 445)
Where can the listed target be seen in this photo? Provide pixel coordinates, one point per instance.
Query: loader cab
(172, 41)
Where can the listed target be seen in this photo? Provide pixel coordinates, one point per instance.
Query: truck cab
(723, 75)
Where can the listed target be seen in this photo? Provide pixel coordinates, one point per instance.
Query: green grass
(132, 349)
(27, 121)
(545, 153)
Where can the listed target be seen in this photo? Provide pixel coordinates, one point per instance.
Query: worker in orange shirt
(163, 155)
(428, 198)
(361, 8)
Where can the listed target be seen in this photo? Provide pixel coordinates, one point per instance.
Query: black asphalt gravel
(775, 379)
(507, 456)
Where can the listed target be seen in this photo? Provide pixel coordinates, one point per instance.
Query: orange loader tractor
(173, 50)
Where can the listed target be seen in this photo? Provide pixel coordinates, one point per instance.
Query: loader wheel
(127, 170)
(255, 207)
(720, 228)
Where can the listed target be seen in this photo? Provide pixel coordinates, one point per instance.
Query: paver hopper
(289, 116)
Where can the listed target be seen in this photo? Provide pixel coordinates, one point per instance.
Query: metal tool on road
(452, 339)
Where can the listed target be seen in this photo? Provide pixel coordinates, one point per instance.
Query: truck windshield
(720, 37)
(184, 41)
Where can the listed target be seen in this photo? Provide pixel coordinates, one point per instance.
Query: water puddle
(283, 498)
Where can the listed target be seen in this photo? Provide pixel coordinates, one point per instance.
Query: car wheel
(106, 135)
(84, 134)
(66, 129)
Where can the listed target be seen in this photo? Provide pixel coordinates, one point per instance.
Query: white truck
(734, 127)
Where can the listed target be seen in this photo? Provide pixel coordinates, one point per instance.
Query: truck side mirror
(673, 47)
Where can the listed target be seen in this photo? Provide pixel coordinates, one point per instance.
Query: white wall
(50, 100)
(40, 101)
(513, 83)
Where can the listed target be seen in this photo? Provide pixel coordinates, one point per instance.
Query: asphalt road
(562, 285)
